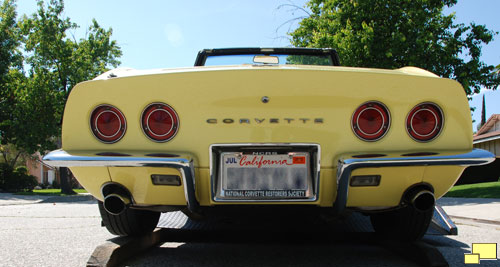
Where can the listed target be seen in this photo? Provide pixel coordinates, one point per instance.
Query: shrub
(55, 184)
(16, 180)
(26, 182)
(5, 174)
(22, 170)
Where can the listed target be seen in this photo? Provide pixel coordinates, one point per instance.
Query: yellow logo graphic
(481, 251)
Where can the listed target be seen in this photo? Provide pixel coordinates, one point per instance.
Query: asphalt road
(49, 234)
(53, 233)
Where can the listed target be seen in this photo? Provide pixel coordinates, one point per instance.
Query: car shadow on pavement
(443, 241)
(302, 247)
(347, 242)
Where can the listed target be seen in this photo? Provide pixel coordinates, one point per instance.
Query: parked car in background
(276, 127)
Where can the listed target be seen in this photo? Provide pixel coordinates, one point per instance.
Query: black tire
(130, 222)
(405, 224)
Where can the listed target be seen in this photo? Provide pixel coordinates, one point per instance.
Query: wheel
(406, 224)
(130, 222)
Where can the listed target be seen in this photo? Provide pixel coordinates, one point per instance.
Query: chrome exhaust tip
(423, 200)
(115, 204)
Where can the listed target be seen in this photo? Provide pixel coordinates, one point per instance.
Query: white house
(488, 137)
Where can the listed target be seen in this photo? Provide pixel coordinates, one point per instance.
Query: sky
(166, 34)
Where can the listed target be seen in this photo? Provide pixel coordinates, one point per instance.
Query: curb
(476, 220)
(117, 250)
(68, 199)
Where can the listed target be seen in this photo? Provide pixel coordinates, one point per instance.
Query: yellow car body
(309, 106)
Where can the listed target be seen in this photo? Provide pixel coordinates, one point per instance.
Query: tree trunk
(13, 163)
(65, 182)
(4, 154)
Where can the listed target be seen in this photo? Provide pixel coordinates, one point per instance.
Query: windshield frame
(203, 54)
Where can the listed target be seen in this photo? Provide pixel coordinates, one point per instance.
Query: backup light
(365, 180)
(165, 179)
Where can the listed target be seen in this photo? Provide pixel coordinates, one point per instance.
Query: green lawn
(482, 190)
(49, 192)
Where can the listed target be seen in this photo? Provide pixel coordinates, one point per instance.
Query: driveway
(47, 231)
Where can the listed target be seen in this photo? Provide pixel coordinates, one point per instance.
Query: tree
(10, 58)
(54, 64)
(483, 112)
(59, 63)
(396, 33)
(9, 40)
(70, 61)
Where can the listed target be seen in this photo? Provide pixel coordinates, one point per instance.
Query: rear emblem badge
(265, 99)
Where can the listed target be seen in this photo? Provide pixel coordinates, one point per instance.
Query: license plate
(265, 175)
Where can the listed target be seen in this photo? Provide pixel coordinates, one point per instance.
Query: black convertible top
(203, 54)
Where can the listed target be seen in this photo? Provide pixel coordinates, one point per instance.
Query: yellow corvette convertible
(285, 128)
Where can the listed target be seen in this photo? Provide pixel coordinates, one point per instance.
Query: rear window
(272, 59)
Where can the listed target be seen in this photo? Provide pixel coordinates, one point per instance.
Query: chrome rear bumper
(184, 163)
(181, 161)
(346, 165)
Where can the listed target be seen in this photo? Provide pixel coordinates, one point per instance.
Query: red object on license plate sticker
(299, 160)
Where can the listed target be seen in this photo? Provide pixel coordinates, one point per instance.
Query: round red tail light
(371, 121)
(160, 122)
(108, 124)
(424, 122)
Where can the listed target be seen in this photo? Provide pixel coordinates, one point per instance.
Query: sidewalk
(473, 208)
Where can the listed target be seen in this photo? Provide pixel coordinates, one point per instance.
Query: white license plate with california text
(265, 175)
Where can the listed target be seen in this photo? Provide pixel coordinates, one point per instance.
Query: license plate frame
(282, 173)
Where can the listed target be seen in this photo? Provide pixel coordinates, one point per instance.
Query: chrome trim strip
(184, 163)
(347, 165)
(61, 158)
(316, 175)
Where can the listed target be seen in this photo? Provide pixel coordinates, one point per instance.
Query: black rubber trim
(203, 54)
